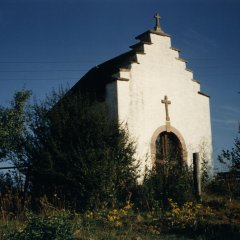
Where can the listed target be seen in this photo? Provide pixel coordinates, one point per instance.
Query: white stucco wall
(160, 72)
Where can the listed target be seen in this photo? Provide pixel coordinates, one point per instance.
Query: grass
(128, 224)
(94, 230)
(132, 231)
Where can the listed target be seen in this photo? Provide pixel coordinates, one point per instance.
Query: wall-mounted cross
(166, 102)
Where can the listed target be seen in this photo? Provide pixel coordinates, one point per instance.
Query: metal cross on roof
(157, 27)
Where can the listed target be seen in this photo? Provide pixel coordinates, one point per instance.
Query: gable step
(196, 81)
(124, 69)
(175, 49)
(140, 44)
(203, 94)
(181, 59)
(122, 79)
(189, 70)
(140, 53)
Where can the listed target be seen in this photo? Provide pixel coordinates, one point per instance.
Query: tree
(228, 183)
(72, 150)
(14, 131)
(79, 155)
(231, 157)
(14, 122)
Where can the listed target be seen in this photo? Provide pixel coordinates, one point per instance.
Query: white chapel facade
(150, 91)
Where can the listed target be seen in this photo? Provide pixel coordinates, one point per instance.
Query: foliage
(189, 215)
(72, 151)
(114, 217)
(11, 196)
(13, 129)
(168, 180)
(211, 219)
(225, 184)
(81, 156)
(36, 227)
(228, 183)
(205, 167)
(6, 182)
(231, 157)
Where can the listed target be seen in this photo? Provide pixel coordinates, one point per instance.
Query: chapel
(150, 90)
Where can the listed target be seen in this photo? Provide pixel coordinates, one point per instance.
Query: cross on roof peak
(157, 27)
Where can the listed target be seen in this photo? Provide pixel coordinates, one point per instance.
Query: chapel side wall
(111, 100)
(123, 102)
(161, 73)
(205, 147)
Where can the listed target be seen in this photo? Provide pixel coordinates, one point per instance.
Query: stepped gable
(96, 79)
(150, 89)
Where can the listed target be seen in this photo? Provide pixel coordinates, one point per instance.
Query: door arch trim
(165, 128)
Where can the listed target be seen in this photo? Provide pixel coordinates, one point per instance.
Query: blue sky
(48, 43)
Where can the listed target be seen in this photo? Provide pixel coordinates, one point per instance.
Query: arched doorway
(168, 148)
(167, 143)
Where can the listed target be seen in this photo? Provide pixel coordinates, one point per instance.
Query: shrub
(228, 183)
(116, 217)
(187, 216)
(58, 227)
(225, 184)
(163, 182)
(80, 156)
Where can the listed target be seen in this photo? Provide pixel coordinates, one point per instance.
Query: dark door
(168, 148)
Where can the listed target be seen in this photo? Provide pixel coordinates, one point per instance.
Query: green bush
(80, 156)
(228, 183)
(163, 182)
(58, 227)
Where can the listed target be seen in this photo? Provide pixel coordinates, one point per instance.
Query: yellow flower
(89, 214)
(128, 205)
(118, 224)
(123, 212)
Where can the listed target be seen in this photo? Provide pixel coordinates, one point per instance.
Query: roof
(95, 80)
